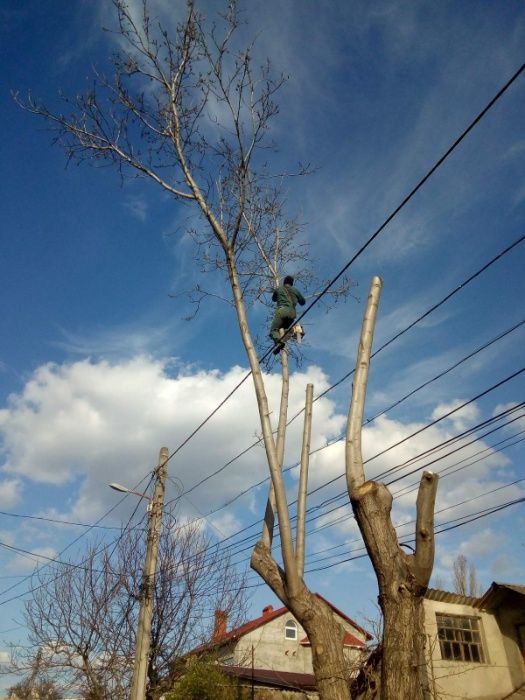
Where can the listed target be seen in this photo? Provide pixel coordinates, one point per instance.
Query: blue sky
(98, 369)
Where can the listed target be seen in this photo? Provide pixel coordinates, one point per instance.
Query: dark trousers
(283, 318)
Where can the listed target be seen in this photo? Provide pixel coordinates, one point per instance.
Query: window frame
(460, 638)
(291, 626)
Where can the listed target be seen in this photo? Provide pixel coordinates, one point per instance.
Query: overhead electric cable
(436, 448)
(313, 510)
(479, 349)
(426, 427)
(411, 523)
(57, 521)
(108, 512)
(475, 516)
(235, 547)
(361, 250)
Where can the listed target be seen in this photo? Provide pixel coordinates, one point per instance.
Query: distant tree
(202, 679)
(36, 686)
(30, 689)
(82, 618)
(465, 577)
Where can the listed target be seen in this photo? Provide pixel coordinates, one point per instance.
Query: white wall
(273, 651)
(464, 680)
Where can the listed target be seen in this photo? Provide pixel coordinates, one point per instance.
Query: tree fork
(402, 578)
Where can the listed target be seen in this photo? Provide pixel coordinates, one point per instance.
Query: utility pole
(143, 643)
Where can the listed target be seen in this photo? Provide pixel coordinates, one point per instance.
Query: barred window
(460, 638)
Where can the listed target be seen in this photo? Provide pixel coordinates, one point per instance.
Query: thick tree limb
(424, 556)
(354, 459)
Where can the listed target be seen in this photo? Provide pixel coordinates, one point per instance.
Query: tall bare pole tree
(190, 112)
(465, 578)
(402, 578)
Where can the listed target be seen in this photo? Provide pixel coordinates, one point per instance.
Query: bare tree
(465, 577)
(82, 618)
(35, 685)
(191, 112)
(402, 578)
(33, 690)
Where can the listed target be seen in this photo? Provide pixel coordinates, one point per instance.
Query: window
(290, 630)
(460, 638)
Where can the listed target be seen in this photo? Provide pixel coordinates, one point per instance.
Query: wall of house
(272, 650)
(509, 616)
(491, 680)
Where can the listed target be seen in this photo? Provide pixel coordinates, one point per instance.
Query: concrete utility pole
(142, 648)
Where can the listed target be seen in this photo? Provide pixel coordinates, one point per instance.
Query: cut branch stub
(424, 555)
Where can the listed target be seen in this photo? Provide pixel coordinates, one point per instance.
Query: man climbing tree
(153, 119)
(287, 298)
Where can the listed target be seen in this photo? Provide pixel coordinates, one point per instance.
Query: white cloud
(99, 422)
(10, 492)
(225, 524)
(126, 340)
(37, 557)
(76, 427)
(461, 419)
(484, 542)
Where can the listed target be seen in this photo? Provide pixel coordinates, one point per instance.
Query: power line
(108, 512)
(426, 427)
(314, 509)
(233, 548)
(484, 346)
(446, 526)
(361, 250)
(412, 522)
(378, 231)
(58, 521)
(466, 520)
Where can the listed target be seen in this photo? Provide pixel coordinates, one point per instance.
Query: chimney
(267, 610)
(221, 620)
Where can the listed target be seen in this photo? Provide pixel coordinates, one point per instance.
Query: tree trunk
(400, 595)
(402, 578)
(403, 645)
(324, 632)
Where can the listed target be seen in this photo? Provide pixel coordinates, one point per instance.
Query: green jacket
(287, 297)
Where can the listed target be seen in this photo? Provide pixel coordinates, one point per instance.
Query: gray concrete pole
(143, 643)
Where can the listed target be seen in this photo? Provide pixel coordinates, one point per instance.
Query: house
(476, 646)
(273, 650)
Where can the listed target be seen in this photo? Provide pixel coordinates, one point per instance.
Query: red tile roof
(270, 614)
(240, 631)
(348, 641)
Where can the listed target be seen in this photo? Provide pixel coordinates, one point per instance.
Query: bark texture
(323, 630)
